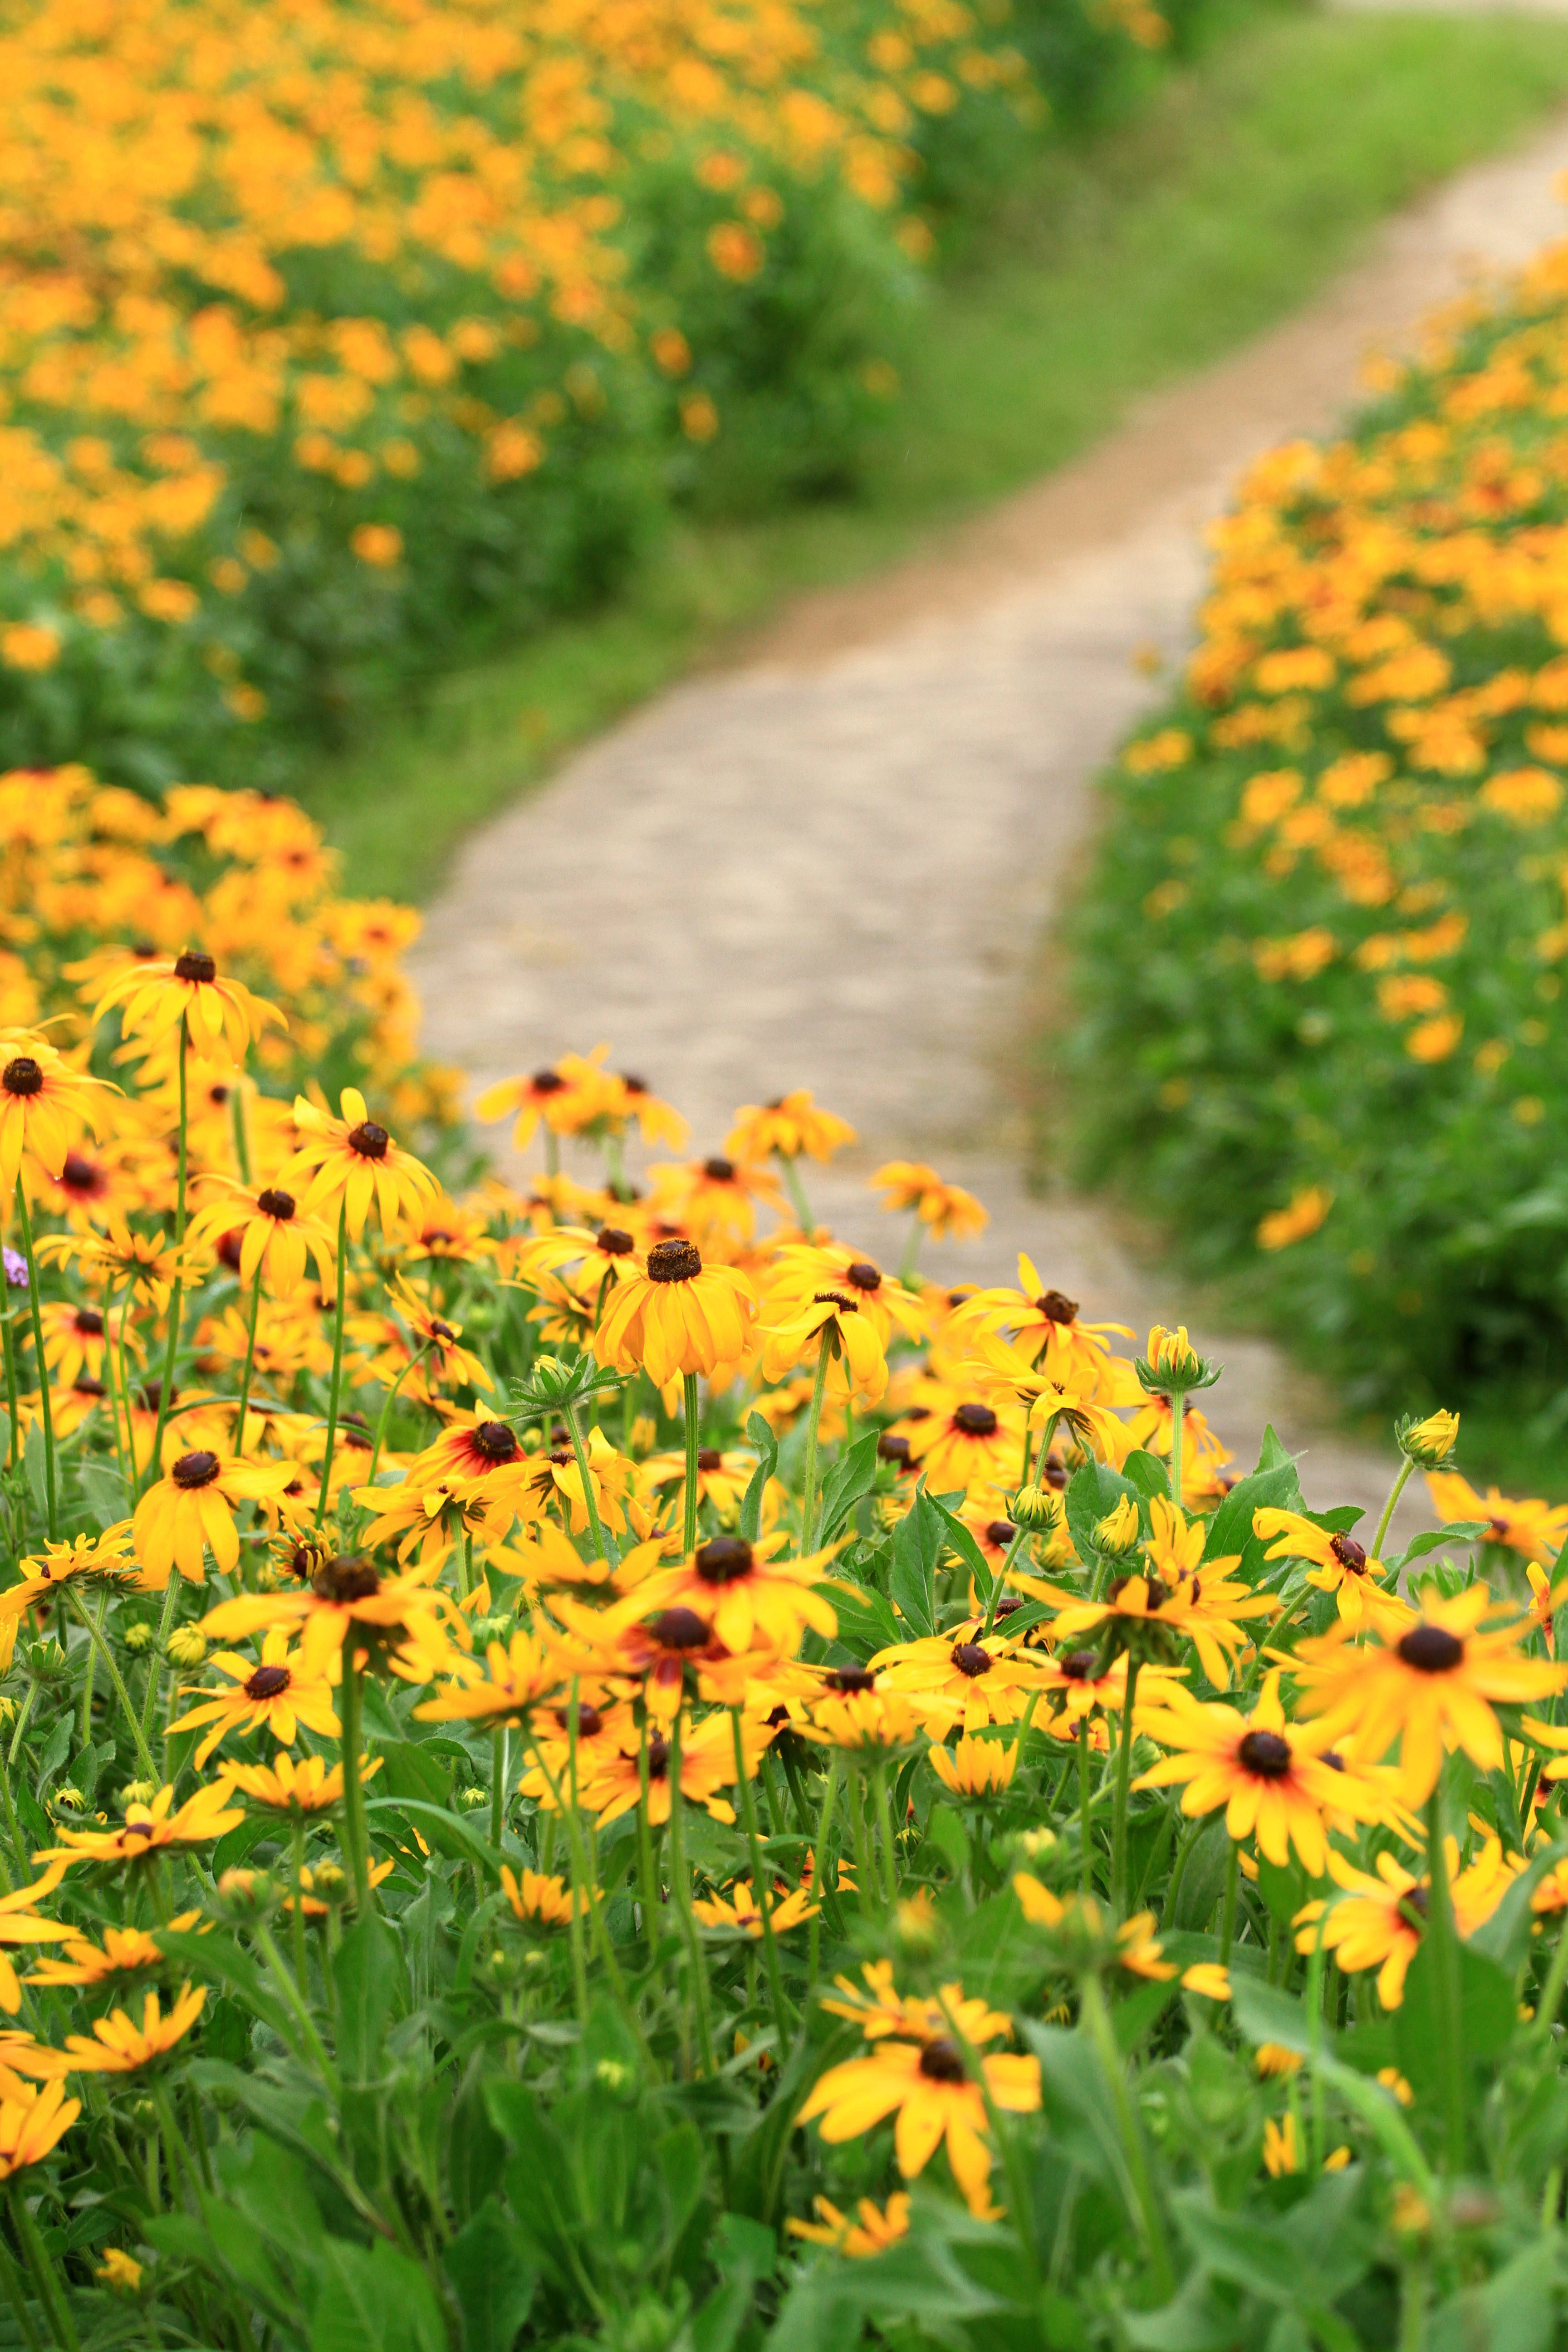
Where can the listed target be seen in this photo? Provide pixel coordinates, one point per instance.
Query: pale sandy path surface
(832, 863)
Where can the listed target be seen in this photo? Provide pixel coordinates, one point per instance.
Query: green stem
(155, 1674)
(796, 1192)
(1394, 1492)
(290, 1989)
(1085, 1872)
(1440, 1928)
(579, 1871)
(596, 1527)
(356, 1839)
(813, 1419)
(17, 2295)
(1178, 1413)
(885, 1832)
(1096, 2019)
(693, 1448)
(1124, 1783)
(51, 2294)
(177, 1294)
(680, 1881)
(337, 1359)
(1022, 2212)
(760, 1888)
(44, 1405)
(100, 1646)
(13, 1395)
(498, 1784)
(820, 1868)
(1227, 1916)
(385, 1413)
(249, 1362)
(297, 1915)
(241, 1138)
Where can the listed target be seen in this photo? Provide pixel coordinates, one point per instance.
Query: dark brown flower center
(88, 1321)
(681, 1629)
(657, 1758)
(274, 1203)
(893, 1448)
(724, 1561)
(1000, 1532)
(674, 1261)
(1264, 1754)
(614, 1242)
(369, 1139)
(719, 1170)
(709, 1457)
(1054, 1474)
(943, 2061)
(1350, 1554)
(863, 1274)
(88, 1387)
(976, 1420)
(971, 1660)
(495, 1441)
(194, 966)
(80, 1174)
(439, 1331)
(1078, 1666)
(22, 1077)
(852, 1678)
(268, 1682)
(1416, 1901)
(590, 1722)
(1056, 1307)
(1431, 1649)
(199, 1469)
(548, 1082)
(633, 1085)
(347, 1577)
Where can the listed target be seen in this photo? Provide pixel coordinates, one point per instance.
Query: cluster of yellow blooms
(657, 1513)
(315, 245)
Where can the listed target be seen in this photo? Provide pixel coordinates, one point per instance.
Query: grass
(1245, 182)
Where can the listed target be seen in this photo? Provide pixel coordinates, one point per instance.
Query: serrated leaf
(919, 1540)
(852, 1476)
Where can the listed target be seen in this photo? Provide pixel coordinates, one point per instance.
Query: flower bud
(247, 1893)
(329, 1881)
(1171, 1365)
(69, 1800)
(1429, 1443)
(44, 1660)
(139, 1639)
(136, 1792)
(1039, 1508)
(1117, 1533)
(185, 1647)
(471, 1801)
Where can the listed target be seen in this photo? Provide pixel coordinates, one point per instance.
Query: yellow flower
(975, 1768)
(353, 1164)
(1281, 2153)
(121, 2272)
(121, 2047)
(1302, 1214)
(123, 1952)
(746, 1593)
(32, 2123)
(275, 1238)
(1536, 1530)
(155, 998)
(874, 2230)
(540, 1901)
(108, 1556)
(678, 1319)
(949, 1212)
(44, 1105)
(851, 1337)
(193, 1507)
(19, 1924)
(791, 1125)
(1430, 1441)
(346, 1593)
(148, 1829)
(1341, 1566)
(741, 1916)
(275, 1693)
(305, 1785)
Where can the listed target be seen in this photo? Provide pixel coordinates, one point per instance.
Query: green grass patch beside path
(1240, 187)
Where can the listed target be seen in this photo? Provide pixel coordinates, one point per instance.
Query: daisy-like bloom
(274, 1693)
(714, 1197)
(790, 1125)
(800, 1269)
(707, 1765)
(43, 1104)
(917, 2072)
(325, 1888)
(568, 1097)
(1534, 1529)
(74, 1338)
(148, 1829)
(346, 1594)
(1000, 1373)
(308, 1785)
(192, 1506)
(971, 1683)
(556, 1477)
(1545, 1600)
(1043, 1326)
(1429, 1688)
(221, 1015)
(975, 1768)
(741, 1916)
(353, 1161)
(1342, 1567)
(752, 1598)
(1280, 2154)
(109, 1558)
(124, 1952)
(20, 1924)
(723, 1478)
(1272, 1778)
(946, 1209)
(658, 1121)
(859, 1719)
(873, 2230)
(602, 1729)
(970, 1447)
(538, 1901)
(457, 1234)
(126, 1260)
(605, 1256)
(121, 2272)
(425, 1513)
(446, 1362)
(274, 1234)
(678, 1319)
(1074, 1678)
(519, 1677)
(797, 1332)
(119, 2046)
(1369, 1927)
(671, 1653)
(1085, 1932)
(1209, 1611)
(31, 2123)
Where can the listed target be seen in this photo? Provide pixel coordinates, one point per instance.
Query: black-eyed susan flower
(1087, 1938)
(1043, 1325)
(20, 1925)
(1341, 1566)
(707, 1767)
(1430, 1687)
(1534, 1529)
(713, 1199)
(723, 1475)
(739, 1914)
(971, 1447)
(874, 2229)
(974, 1768)
(970, 1683)
(567, 1097)
(345, 1593)
(117, 2045)
(192, 1508)
(519, 1677)
(1374, 1924)
(352, 1164)
(539, 1900)
(1001, 1374)
(917, 2072)
(857, 1718)
(306, 1784)
(679, 1319)
(276, 1237)
(149, 1827)
(107, 1558)
(800, 1269)
(124, 1952)
(793, 1332)
(1210, 1610)
(45, 1103)
(1272, 1777)
(752, 1597)
(76, 1337)
(791, 1125)
(274, 1693)
(33, 2122)
(222, 1017)
(125, 1258)
(947, 1210)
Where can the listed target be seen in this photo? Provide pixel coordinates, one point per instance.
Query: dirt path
(832, 865)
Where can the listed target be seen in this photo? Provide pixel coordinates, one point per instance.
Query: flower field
(589, 1762)
(1326, 930)
(336, 338)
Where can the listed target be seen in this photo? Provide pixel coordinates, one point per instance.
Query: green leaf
(963, 1542)
(766, 1442)
(492, 2275)
(369, 1974)
(374, 2300)
(447, 1833)
(1307, 2259)
(1513, 2311)
(1487, 2014)
(1284, 1891)
(1140, 2012)
(1274, 1454)
(852, 1476)
(946, 1833)
(104, 1492)
(819, 2314)
(1203, 1880)
(1459, 1531)
(1147, 1473)
(1202, 2318)
(1278, 1489)
(1264, 2013)
(919, 1541)
(411, 1770)
(1093, 1494)
(34, 1462)
(218, 1959)
(865, 1623)
(1506, 1935)
(719, 2322)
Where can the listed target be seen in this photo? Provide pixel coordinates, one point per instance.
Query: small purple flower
(15, 1269)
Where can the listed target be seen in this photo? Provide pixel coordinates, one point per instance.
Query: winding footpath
(833, 863)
